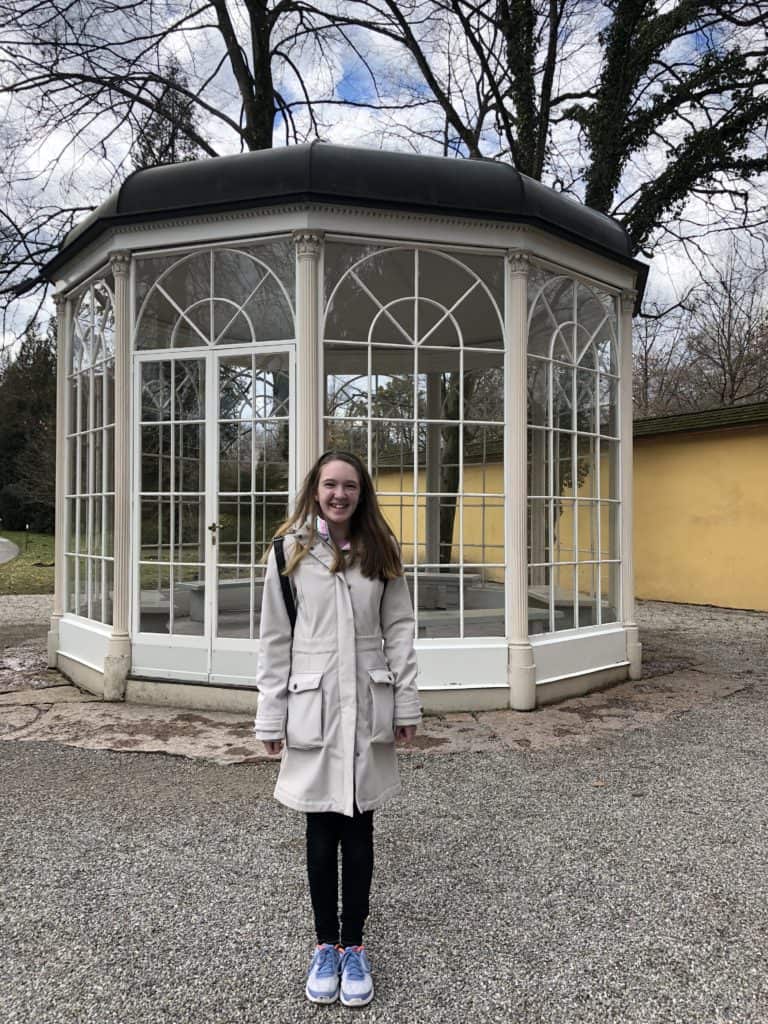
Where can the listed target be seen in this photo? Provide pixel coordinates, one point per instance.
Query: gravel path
(623, 881)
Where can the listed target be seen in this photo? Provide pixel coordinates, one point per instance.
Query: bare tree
(728, 335)
(709, 349)
(80, 78)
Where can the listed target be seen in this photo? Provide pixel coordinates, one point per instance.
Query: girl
(337, 690)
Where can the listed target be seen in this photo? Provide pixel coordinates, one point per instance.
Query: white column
(306, 414)
(117, 663)
(521, 672)
(63, 324)
(634, 648)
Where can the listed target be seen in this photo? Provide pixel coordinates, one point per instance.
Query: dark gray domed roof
(330, 174)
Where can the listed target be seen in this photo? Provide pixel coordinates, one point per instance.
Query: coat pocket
(382, 705)
(304, 729)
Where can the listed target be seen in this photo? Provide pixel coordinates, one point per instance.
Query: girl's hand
(273, 747)
(405, 733)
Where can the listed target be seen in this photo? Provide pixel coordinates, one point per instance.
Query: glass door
(213, 480)
(253, 485)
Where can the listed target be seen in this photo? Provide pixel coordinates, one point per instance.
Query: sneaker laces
(352, 964)
(326, 961)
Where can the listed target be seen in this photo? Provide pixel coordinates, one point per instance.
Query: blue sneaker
(356, 980)
(323, 975)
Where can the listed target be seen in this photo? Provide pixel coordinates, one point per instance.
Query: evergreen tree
(28, 434)
(164, 133)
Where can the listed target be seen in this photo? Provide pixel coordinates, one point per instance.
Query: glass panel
(156, 458)
(483, 602)
(233, 540)
(351, 435)
(96, 526)
(81, 596)
(398, 512)
(235, 456)
(236, 275)
(483, 531)
(484, 460)
(587, 530)
(188, 280)
(394, 323)
(538, 530)
(104, 319)
(609, 529)
(609, 469)
(609, 419)
(437, 325)
(236, 388)
(154, 598)
(97, 384)
(564, 524)
(109, 587)
(271, 388)
(339, 257)
(587, 578)
(156, 391)
(606, 354)
(194, 327)
(109, 462)
(562, 466)
(190, 457)
(109, 526)
(234, 602)
(188, 600)
(71, 524)
(392, 383)
(157, 322)
(564, 589)
(269, 513)
(258, 592)
(562, 397)
(392, 456)
(346, 380)
(156, 530)
(484, 388)
(96, 589)
(538, 599)
(437, 608)
(586, 401)
(271, 455)
(439, 455)
(586, 448)
(98, 461)
(268, 314)
(189, 532)
(538, 463)
(189, 397)
(610, 580)
(82, 526)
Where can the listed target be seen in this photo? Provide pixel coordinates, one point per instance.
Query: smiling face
(338, 494)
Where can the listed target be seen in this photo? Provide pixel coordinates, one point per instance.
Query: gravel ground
(623, 882)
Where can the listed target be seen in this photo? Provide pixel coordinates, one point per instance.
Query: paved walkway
(8, 550)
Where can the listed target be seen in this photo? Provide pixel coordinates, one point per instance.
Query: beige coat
(335, 694)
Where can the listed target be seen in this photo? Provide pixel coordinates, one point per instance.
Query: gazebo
(464, 329)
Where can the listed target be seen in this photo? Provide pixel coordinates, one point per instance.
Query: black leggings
(325, 831)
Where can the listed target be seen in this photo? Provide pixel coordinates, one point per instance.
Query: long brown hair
(373, 544)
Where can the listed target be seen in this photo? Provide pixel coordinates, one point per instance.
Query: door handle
(213, 528)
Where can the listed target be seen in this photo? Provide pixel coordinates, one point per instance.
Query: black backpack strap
(285, 583)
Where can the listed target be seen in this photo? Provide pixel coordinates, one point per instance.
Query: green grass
(21, 575)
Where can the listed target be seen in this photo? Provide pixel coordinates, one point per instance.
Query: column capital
(518, 261)
(120, 262)
(307, 243)
(628, 298)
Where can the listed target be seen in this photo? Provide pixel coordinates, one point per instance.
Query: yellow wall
(701, 517)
